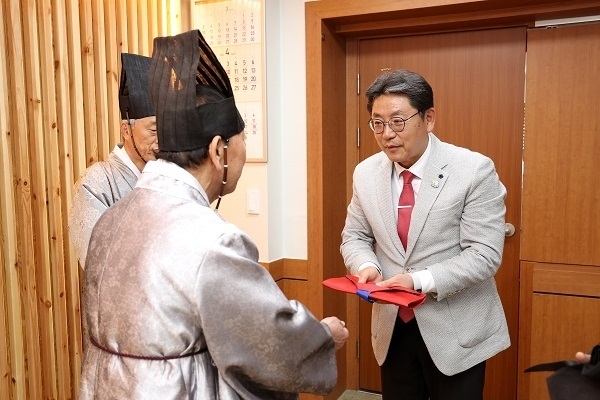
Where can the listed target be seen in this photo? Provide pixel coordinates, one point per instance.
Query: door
(560, 268)
(478, 82)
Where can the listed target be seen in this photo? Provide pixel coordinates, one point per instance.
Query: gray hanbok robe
(167, 277)
(102, 185)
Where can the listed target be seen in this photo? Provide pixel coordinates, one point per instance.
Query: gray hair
(131, 121)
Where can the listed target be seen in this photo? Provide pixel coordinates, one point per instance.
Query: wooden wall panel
(560, 286)
(297, 290)
(560, 199)
(559, 315)
(327, 201)
(59, 78)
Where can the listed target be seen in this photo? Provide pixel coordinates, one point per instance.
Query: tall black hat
(181, 64)
(134, 96)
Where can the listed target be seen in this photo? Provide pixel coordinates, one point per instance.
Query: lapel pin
(435, 183)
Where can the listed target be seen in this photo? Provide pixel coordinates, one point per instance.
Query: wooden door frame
(332, 29)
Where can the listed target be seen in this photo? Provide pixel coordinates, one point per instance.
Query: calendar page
(234, 30)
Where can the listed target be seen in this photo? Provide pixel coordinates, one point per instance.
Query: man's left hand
(400, 279)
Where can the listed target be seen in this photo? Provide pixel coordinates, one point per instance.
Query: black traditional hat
(180, 64)
(134, 96)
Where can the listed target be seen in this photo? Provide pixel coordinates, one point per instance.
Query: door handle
(509, 229)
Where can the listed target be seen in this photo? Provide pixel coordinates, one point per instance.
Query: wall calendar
(234, 31)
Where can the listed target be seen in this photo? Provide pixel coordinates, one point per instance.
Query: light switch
(253, 201)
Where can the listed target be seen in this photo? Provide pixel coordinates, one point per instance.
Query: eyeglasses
(396, 124)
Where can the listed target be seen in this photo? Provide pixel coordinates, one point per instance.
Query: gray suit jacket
(456, 232)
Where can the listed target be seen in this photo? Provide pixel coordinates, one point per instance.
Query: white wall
(280, 229)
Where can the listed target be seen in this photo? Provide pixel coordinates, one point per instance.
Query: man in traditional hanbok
(176, 303)
(105, 182)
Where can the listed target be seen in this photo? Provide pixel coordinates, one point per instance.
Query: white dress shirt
(423, 280)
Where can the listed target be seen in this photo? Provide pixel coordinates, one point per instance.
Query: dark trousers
(408, 372)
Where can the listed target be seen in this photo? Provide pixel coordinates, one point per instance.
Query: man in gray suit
(437, 228)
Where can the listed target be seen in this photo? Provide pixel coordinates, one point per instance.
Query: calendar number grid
(234, 30)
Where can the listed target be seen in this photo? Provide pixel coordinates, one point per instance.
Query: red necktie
(405, 206)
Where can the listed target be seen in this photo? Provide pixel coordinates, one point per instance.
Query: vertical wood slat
(88, 77)
(112, 72)
(122, 28)
(161, 19)
(174, 21)
(100, 78)
(12, 365)
(78, 134)
(64, 92)
(25, 265)
(142, 21)
(6, 234)
(60, 84)
(52, 167)
(132, 29)
(153, 12)
(5, 362)
(185, 15)
(39, 198)
(76, 91)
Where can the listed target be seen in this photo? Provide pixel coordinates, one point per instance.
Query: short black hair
(403, 82)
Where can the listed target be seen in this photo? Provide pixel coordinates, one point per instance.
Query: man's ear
(215, 152)
(125, 129)
(430, 118)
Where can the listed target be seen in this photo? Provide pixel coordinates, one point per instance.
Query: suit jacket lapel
(432, 184)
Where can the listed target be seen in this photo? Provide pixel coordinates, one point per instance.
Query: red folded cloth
(398, 295)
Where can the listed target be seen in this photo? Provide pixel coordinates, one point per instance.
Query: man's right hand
(369, 274)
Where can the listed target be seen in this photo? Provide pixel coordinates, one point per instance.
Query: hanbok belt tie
(98, 345)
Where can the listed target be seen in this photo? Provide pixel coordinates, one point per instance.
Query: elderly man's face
(146, 139)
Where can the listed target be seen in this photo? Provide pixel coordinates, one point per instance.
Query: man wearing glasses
(429, 216)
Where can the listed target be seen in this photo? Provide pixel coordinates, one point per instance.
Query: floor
(357, 395)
